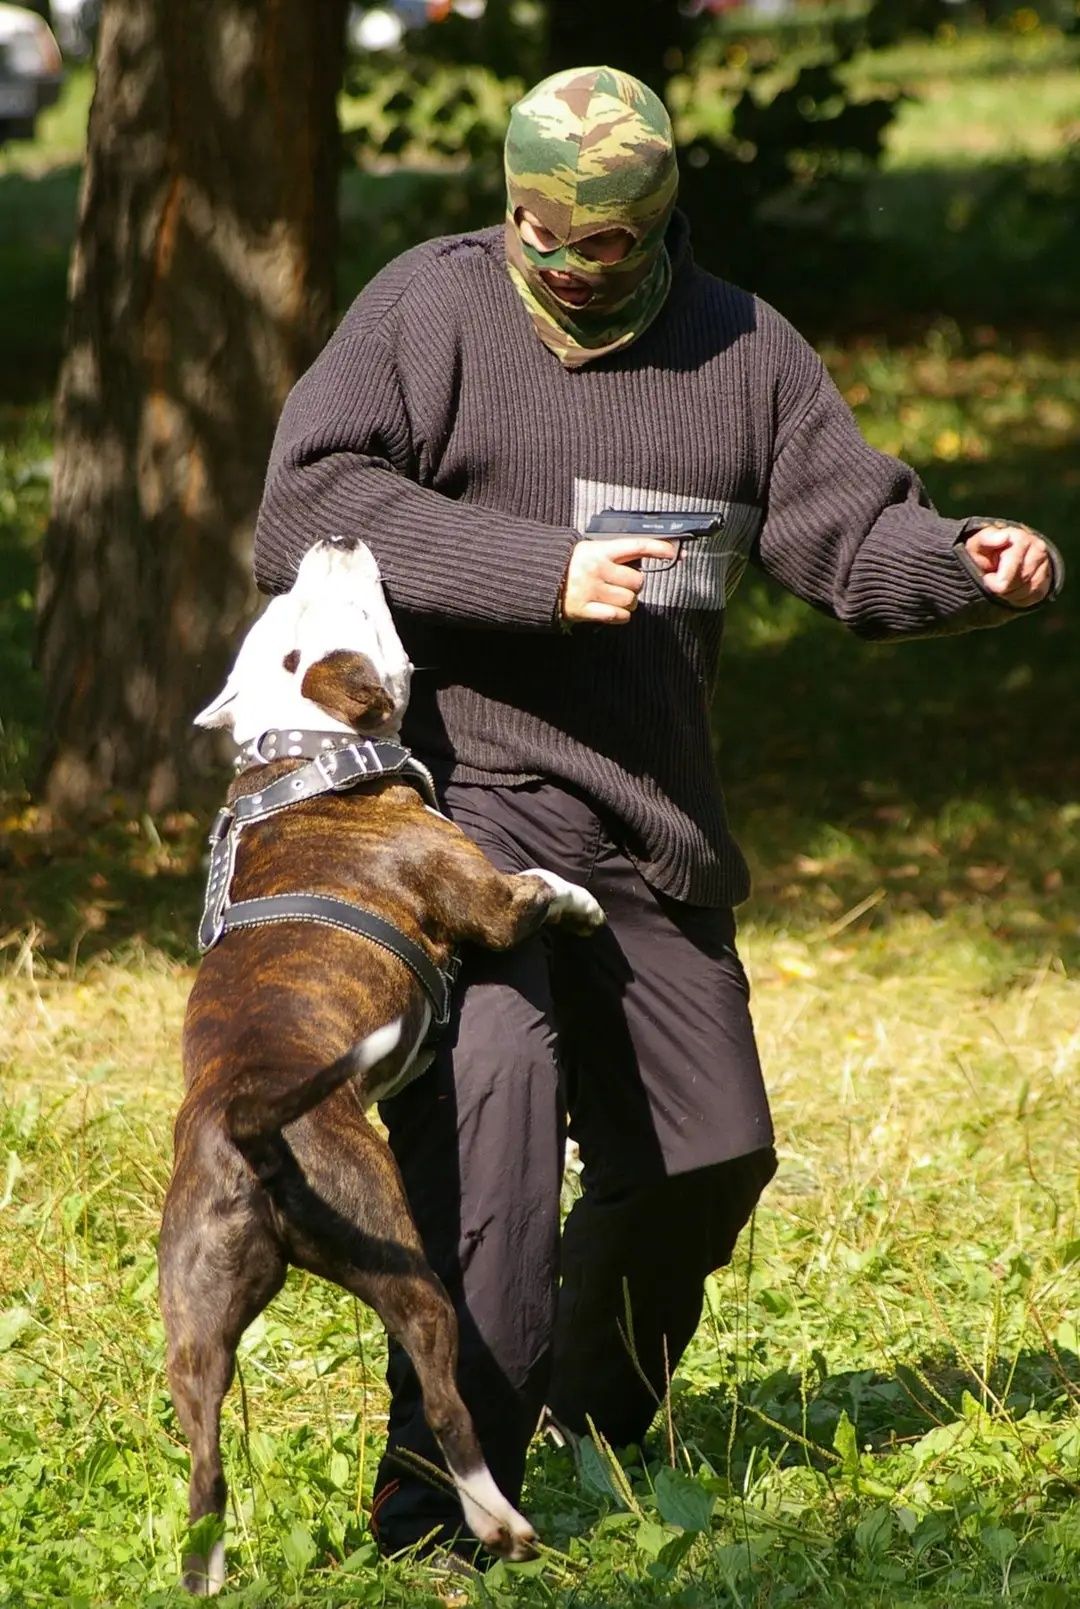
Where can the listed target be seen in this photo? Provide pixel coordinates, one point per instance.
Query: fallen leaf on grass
(794, 966)
(809, 866)
(986, 878)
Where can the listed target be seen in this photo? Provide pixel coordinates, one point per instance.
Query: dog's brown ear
(347, 685)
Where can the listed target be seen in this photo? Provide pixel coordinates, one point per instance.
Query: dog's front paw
(572, 906)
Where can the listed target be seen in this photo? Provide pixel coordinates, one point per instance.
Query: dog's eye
(292, 659)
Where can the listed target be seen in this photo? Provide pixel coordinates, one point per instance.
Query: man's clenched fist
(601, 584)
(1014, 562)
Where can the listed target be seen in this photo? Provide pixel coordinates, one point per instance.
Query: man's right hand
(601, 584)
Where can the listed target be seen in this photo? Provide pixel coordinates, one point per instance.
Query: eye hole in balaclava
(590, 163)
(606, 246)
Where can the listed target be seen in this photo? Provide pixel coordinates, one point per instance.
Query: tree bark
(201, 285)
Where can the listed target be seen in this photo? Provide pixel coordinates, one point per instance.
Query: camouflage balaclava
(586, 150)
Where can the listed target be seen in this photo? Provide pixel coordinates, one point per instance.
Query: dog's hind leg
(218, 1270)
(427, 1329)
(350, 1223)
(418, 1315)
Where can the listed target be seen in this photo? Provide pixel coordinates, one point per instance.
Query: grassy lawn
(882, 1404)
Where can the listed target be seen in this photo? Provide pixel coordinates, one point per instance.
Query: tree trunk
(202, 283)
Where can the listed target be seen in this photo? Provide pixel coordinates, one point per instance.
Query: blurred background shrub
(784, 114)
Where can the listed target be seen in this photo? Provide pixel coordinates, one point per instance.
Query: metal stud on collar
(292, 744)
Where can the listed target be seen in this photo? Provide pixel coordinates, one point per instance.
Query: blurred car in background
(383, 27)
(75, 24)
(31, 71)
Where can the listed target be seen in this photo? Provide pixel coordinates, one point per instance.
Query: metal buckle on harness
(219, 827)
(219, 878)
(328, 765)
(450, 974)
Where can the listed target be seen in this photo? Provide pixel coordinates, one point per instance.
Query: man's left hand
(1014, 561)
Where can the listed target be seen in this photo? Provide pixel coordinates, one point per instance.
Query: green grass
(38, 188)
(882, 1405)
(880, 1408)
(966, 99)
(60, 135)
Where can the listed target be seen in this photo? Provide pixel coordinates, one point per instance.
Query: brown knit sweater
(440, 430)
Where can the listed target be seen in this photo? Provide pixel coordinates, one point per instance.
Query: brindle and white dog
(294, 1028)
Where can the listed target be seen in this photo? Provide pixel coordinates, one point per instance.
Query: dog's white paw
(204, 1577)
(492, 1518)
(572, 905)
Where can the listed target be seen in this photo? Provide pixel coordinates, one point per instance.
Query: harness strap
(335, 771)
(333, 912)
(334, 767)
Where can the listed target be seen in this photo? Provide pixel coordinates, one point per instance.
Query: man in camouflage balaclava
(587, 151)
(506, 417)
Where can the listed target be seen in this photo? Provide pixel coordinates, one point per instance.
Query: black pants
(642, 1034)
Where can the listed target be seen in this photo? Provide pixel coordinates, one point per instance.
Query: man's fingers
(1031, 589)
(1014, 562)
(1034, 555)
(985, 547)
(621, 597)
(1004, 577)
(623, 549)
(606, 614)
(600, 584)
(621, 575)
(991, 538)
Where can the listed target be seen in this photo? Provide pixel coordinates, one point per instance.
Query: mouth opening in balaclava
(588, 151)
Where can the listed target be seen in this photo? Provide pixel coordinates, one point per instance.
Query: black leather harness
(337, 764)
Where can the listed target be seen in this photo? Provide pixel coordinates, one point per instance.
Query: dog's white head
(325, 655)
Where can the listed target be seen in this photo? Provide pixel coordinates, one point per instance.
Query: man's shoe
(559, 1435)
(453, 1575)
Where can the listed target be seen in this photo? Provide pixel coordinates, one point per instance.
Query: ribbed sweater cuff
(910, 578)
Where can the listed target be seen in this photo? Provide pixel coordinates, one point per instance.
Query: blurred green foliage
(892, 19)
(442, 102)
(786, 132)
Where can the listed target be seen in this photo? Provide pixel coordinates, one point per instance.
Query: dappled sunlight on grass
(105, 1037)
(997, 878)
(973, 122)
(966, 395)
(955, 111)
(991, 54)
(887, 1379)
(73, 892)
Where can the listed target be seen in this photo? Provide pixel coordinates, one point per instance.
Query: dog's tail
(266, 1104)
